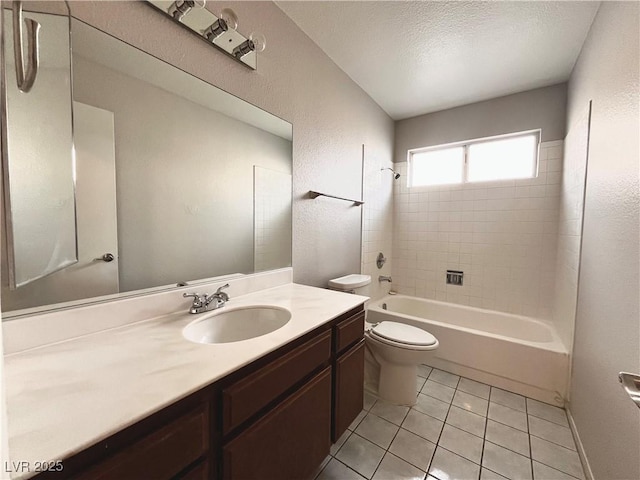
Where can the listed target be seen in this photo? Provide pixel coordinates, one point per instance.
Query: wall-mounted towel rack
(314, 194)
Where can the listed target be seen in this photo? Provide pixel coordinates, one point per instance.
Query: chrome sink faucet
(204, 303)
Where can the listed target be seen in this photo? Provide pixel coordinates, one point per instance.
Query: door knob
(107, 257)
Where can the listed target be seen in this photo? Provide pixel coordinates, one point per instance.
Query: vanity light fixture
(180, 8)
(228, 21)
(218, 30)
(255, 43)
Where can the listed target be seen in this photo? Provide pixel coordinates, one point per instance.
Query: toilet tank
(354, 283)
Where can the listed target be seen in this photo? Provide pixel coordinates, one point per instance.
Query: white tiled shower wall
(377, 222)
(502, 235)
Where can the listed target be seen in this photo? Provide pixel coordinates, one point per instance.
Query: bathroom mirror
(176, 180)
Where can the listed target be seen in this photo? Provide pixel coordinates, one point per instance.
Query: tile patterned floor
(458, 430)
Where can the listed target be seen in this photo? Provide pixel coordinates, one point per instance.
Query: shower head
(396, 175)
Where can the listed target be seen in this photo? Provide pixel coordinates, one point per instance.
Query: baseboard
(581, 452)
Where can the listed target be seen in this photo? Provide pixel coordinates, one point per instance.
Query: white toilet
(398, 349)
(394, 350)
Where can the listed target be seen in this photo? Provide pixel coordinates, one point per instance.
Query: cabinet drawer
(161, 454)
(349, 331)
(247, 396)
(289, 442)
(348, 389)
(198, 472)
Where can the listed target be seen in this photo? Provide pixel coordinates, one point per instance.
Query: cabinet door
(348, 389)
(161, 454)
(290, 441)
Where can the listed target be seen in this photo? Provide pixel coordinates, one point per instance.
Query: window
(506, 157)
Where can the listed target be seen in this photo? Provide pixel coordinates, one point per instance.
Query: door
(94, 142)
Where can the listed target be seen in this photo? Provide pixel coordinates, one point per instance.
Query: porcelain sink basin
(236, 324)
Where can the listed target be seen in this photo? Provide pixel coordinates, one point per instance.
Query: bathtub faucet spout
(383, 278)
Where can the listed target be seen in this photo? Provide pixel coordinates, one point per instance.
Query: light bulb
(255, 43)
(230, 18)
(227, 21)
(180, 8)
(259, 42)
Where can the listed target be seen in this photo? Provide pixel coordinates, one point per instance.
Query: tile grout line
(444, 422)
(526, 412)
(450, 405)
(484, 433)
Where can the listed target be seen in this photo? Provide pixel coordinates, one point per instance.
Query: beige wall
(331, 116)
(570, 227)
(607, 324)
(540, 108)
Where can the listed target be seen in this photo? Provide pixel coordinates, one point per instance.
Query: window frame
(465, 144)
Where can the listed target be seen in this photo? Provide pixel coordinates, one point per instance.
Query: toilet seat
(403, 336)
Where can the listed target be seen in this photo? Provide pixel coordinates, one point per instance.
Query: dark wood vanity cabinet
(272, 419)
(288, 442)
(348, 375)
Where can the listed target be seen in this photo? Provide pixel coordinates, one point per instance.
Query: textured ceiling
(419, 57)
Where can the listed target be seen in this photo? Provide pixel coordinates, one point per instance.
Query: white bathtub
(516, 353)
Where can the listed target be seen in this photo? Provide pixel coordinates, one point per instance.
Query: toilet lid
(402, 333)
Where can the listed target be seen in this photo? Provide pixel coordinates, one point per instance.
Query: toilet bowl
(394, 350)
(398, 349)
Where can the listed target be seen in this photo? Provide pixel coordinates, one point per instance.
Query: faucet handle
(197, 298)
(222, 294)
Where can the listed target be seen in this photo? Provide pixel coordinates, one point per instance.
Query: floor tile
(361, 455)
(445, 378)
(423, 425)
(486, 474)
(474, 388)
(438, 390)
(508, 399)
(377, 430)
(424, 371)
(432, 406)
(395, 468)
(551, 432)
(357, 421)
(471, 403)
(419, 383)
(324, 463)
(336, 446)
(369, 401)
(413, 449)
(547, 412)
(449, 466)
(393, 413)
(506, 463)
(461, 442)
(508, 437)
(542, 472)
(467, 421)
(555, 456)
(336, 470)
(508, 416)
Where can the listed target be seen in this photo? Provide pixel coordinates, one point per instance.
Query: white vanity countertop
(64, 397)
